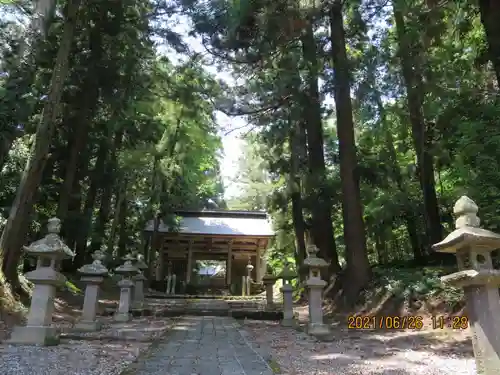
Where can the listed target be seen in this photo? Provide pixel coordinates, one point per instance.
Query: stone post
(269, 280)
(49, 251)
(171, 280)
(92, 275)
(127, 270)
(243, 285)
(248, 283)
(315, 284)
(287, 289)
(138, 302)
(472, 247)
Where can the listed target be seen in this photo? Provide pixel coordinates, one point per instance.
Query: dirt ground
(426, 351)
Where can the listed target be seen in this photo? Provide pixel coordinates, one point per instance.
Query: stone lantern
(92, 275)
(287, 289)
(49, 250)
(249, 268)
(480, 282)
(269, 280)
(138, 302)
(315, 284)
(127, 270)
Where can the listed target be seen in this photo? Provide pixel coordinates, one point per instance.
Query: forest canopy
(103, 129)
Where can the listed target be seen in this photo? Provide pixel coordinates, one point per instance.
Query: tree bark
(358, 266)
(14, 233)
(122, 223)
(90, 94)
(322, 225)
(296, 197)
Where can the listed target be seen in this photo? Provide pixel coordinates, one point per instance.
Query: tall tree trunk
(119, 205)
(107, 193)
(90, 99)
(409, 56)
(322, 225)
(358, 266)
(77, 144)
(380, 245)
(296, 196)
(490, 16)
(97, 178)
(122, 223)
(14, 233)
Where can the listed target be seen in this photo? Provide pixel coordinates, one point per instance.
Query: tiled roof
(234, 223)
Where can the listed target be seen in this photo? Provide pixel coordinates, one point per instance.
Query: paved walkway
(204, 346)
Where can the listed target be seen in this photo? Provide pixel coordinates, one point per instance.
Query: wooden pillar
(189, 262)
(258, 264)
(159, 264)
(229, 262)
(155, 240)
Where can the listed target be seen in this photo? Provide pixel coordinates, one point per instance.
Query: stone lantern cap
(249, 265)
(127, 268)
(472, 278)
(51, 246)
(96, 268)
(288, 273)
(468, 234)
(312, 261)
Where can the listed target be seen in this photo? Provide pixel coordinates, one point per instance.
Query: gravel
(363, 352)
(107, 352)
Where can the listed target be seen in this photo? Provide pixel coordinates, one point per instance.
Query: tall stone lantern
(269, 280)
(288, 274)
(127, 270)
(249, 268)
(92, 275)
(139, 279)
(480, 282)
(315, 284)
(49, 250)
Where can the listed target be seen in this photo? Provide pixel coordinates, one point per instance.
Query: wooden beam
(196, 236)
(214, 247)
(208, 241)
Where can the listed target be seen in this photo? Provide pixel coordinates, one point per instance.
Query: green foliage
(144, 127)
(147, 142)
(422, 283)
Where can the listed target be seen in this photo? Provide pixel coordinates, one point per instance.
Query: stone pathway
(204, 346)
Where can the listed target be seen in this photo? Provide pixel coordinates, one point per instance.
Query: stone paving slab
(204, 346)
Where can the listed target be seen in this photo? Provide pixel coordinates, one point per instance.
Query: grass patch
(399, 289)
(72, 288)
(422, 283)
(275, 367)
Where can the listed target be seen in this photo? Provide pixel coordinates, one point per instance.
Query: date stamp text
(384, 322)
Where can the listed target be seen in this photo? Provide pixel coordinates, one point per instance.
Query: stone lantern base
(88, 325)
(33, 335)
(122, 317)
(320, 331)
(288, 322)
